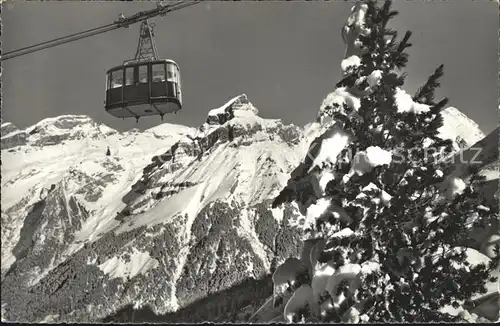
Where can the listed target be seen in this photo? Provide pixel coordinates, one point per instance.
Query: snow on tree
(309, 256)
(301, 304)
(286, 276)
(386, 219)
(350, 63)
(488, 247)
(354, 27)
(335, 140)
(315, 253)
(365, 161)
(452, 186)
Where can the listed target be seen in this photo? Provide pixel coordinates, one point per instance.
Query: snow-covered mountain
(172, 215)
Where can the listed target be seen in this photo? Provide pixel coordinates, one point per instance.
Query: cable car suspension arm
(161, 10)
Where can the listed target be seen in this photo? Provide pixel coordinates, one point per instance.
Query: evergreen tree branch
(425, 94)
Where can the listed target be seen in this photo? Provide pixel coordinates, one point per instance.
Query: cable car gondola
(146, 85)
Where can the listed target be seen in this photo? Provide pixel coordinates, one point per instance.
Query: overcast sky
(284, 55)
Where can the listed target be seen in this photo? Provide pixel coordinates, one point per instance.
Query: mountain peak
(225, 113)
(62, 122)
(460, 128)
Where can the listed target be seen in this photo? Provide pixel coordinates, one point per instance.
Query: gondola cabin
(143, 88)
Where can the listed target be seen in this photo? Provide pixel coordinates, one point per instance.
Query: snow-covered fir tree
(386, 221)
